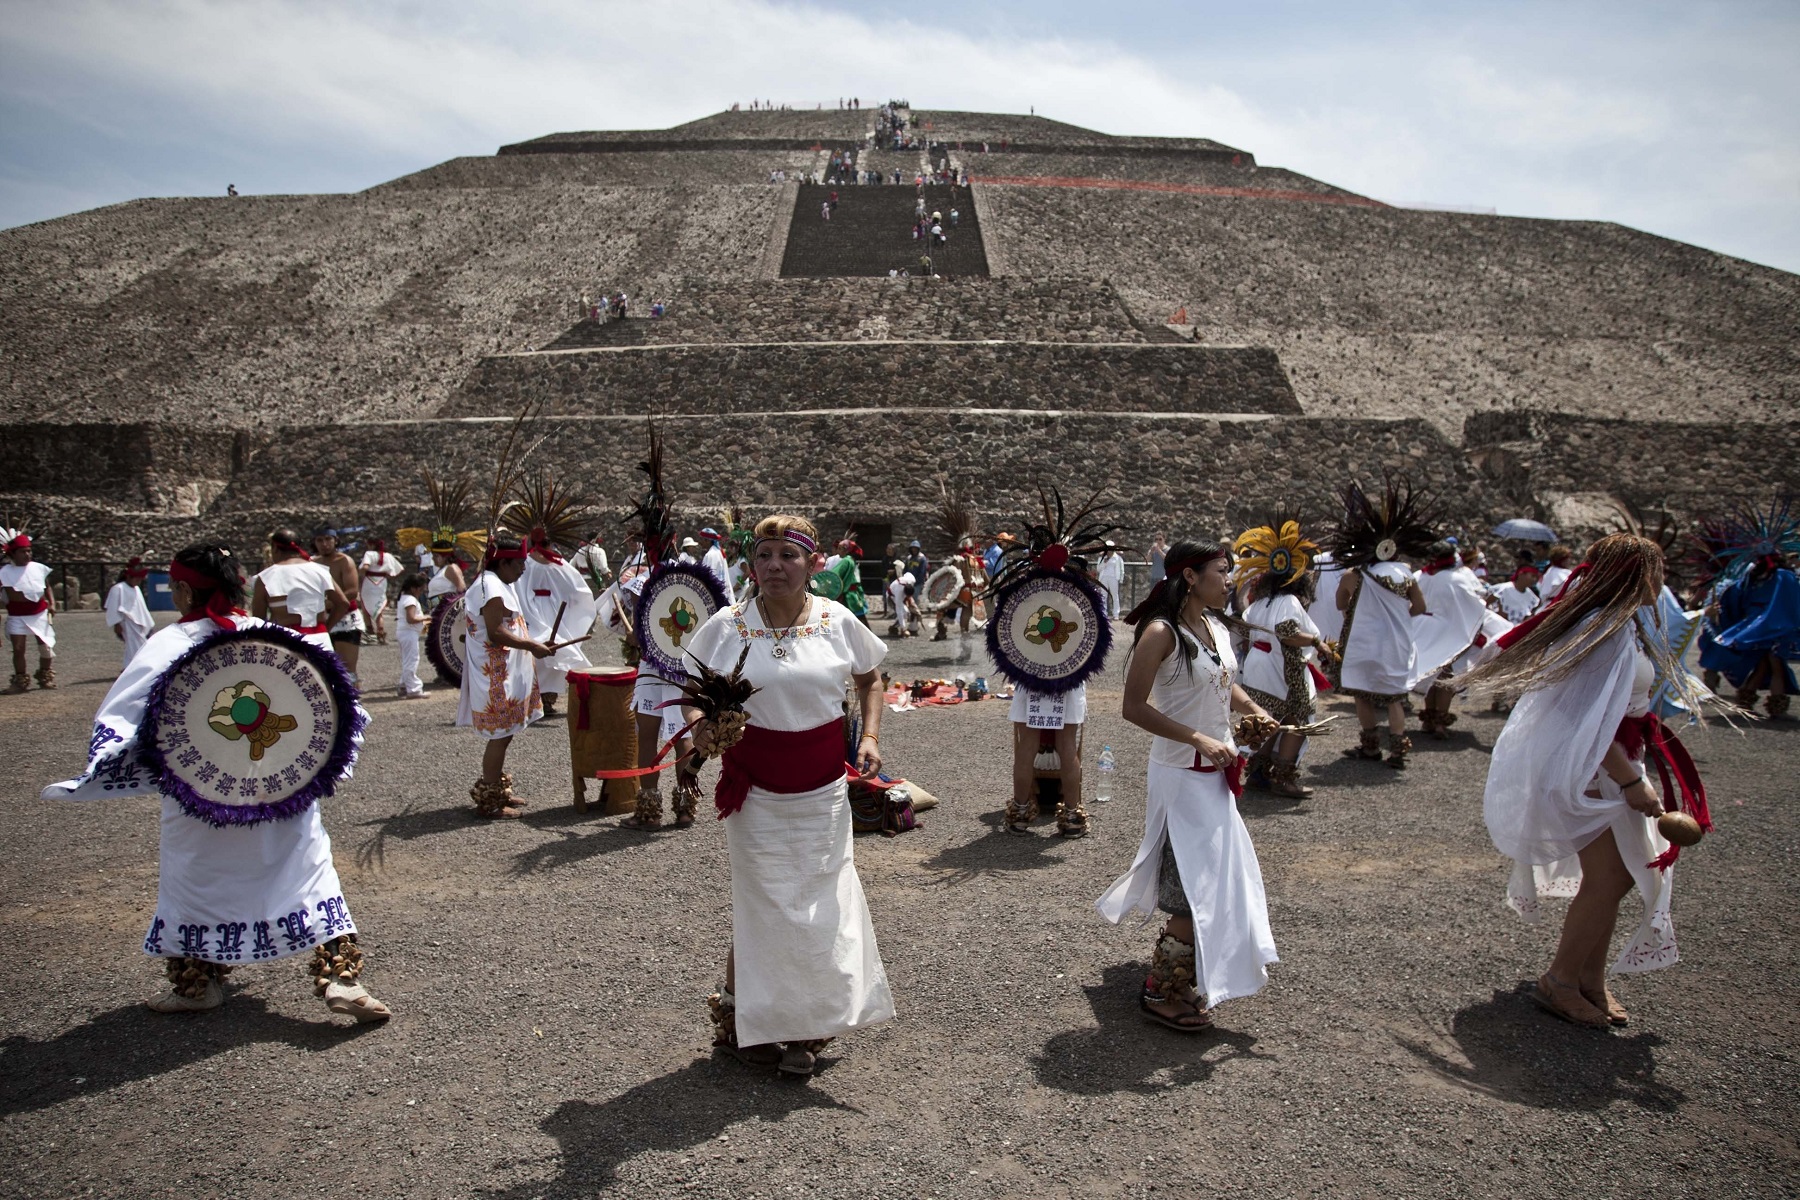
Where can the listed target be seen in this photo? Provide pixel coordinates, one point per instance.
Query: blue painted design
(225, 785)
(305, 761)
(231, 939)
(207, 771)
(153, 939)
(224, 656)
(104, 735)
(176, 737)
(263, 941)
(296, 930)
(248, 788)
(188, 757)
(335, 916)
(318, 744)
(193, 939)
(290, 777)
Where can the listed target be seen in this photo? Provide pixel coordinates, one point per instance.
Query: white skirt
(1219, 874)
(807, 965)
(1652, 943)
(246, 893)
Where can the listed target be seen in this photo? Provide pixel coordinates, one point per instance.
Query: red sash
(28, 608)
(1234, 774)
(1648, 736)
(780, 761)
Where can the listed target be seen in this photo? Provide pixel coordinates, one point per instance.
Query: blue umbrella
(1525, 531)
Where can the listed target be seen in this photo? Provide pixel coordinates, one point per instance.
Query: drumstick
(557, 624)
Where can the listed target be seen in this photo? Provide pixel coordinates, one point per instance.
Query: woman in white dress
(804, 966)
(378, 569)
(1195, 862)
(227, 893)
(499, 680)
(1568, 798)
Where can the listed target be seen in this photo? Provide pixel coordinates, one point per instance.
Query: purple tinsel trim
(709, 582)
(446, 662)
(331, 772)
(1102, 641)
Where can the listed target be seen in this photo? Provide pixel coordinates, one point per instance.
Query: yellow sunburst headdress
(452, 502)
(1276, 549)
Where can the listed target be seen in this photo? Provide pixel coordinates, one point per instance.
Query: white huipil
(300, 587)
(542, 590)
(807, 965)
(1324, 610)
(127, 612)
(1547, 796)
(1265, 665)
(1198, 816)
(379, 568)
(1379, 651)
(499, 683)
(29, 582)
(234, 895)
(1455, 609)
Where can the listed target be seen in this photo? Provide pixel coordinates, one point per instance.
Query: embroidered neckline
(788, 633)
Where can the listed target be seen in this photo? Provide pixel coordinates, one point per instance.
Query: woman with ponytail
(1568, 798)
(1195, 862)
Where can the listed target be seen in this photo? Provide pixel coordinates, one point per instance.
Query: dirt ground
(548, 977)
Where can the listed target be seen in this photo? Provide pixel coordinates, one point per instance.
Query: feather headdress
(1665, 533)
(1277, 550)
(1751, 534)
(451, 501)
(1373, 531)
(14, 537)
(735, 529)
(545, 514)
(1056, 539)
(656, 512)
(955, 514)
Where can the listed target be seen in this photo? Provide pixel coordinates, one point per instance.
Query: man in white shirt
(1112, 576)
(688, 546)
(714, 560)
(126, 611)
(26, 587)
(1516, 598)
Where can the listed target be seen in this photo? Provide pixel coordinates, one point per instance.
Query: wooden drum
(603, 734)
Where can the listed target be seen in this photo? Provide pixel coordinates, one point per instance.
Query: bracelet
(1645, 778)
(869, 737)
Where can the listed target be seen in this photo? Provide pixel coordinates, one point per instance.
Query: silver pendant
(779, 652)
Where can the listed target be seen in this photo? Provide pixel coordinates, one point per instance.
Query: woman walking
(1196, 862)
(804, 966)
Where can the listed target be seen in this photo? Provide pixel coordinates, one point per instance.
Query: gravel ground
(549, 975)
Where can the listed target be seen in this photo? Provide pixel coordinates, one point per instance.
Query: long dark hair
(215, 562)
(1165, 600)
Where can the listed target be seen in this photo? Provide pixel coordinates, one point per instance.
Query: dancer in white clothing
(295, 592)
(1196, 861)
(29, 609)
(1452, 625)
(1568, 797)
(409, 625)
(804, 965)
(556, 599)
(245, 866)
(378, 570)
(126, 611)
(1273, 574)
(1379, 599)
(499, 680)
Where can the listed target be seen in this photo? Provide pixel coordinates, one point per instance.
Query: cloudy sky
(1682, 119)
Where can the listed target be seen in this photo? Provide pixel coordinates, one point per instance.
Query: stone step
(814, 376)
(870, 232)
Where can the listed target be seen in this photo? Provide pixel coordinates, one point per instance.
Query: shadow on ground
(1127, 1053)
(679, 1111)
(132, 1043)
(405, 825)
(997, 851)
(1517, 1052)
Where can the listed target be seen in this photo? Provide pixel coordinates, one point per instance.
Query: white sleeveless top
(1199, 698)
(299, 587)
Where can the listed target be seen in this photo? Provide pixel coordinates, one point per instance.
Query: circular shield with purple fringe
(444, 639)
(1049, 631)
(675, 602)
(251, 725)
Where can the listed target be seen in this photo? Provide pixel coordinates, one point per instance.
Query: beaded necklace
(789, 632)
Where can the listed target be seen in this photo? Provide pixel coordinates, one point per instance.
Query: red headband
(290, 547)
(22, 542)
(499, 553)
(218, 608)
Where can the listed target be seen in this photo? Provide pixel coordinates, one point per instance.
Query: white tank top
(299, 587)
(1199, 699)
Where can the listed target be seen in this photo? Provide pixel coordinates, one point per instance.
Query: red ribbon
(27, 608)
(782, 761)
(1234, 774)
(581, 682)
(1647, 735)
(1321, 682)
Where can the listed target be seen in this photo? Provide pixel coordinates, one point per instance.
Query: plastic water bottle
(1104, 785)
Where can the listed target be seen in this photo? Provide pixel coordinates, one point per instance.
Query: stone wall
(791, 310)
(812, 377)
(639, 168)
(1185, 168)
(154, 468)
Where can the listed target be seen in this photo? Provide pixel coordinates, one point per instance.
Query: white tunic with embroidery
(807, 962)
(127, 612)
(241, 894)
(1195, 812)
(1547, 795)
(499, 683)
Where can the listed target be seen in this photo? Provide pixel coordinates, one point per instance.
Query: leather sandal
(1194, 1020)
(1564, 1000)
(1609, 1004)
(796, 1059)
(353, 1000)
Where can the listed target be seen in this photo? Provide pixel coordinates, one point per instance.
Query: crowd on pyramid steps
(751, 642)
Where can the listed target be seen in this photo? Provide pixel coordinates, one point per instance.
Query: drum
(603, 734)
(444, 639)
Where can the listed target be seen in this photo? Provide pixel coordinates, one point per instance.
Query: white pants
(1112, 598)
(409, 666)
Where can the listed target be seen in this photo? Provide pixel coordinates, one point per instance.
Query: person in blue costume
(1755, 616)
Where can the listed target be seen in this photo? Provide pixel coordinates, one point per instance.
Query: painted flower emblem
(1048, 624)
(681, 620)
(241, 713)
